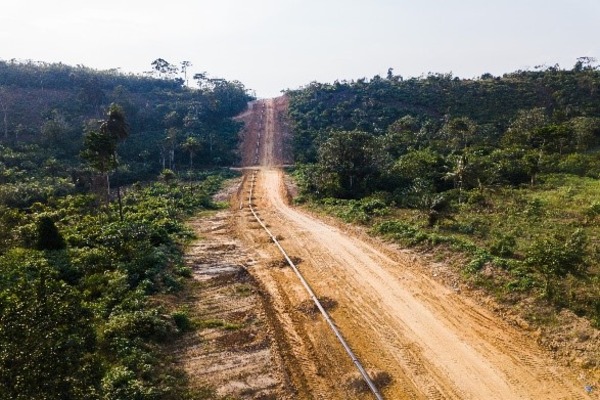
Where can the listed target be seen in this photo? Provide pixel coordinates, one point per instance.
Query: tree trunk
(120, 203)
(107, 189)
(5, 112)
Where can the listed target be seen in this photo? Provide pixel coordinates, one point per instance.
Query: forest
(498, 175)
(98, 171)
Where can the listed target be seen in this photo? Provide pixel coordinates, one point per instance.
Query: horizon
(148, 73)
(271, 45)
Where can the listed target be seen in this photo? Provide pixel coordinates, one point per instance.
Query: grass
(244, 290)
(491, 234)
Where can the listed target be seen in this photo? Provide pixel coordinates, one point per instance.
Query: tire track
(314, 298)
(435, 343)
(461, 361)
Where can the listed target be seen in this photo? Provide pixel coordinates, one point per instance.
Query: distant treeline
(50, 105)
(536, 120)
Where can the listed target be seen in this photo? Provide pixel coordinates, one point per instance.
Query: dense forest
(97, 172)
(499, 175)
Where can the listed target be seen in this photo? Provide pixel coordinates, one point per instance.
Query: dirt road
(433, 342)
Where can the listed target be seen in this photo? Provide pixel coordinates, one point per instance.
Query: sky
(273, 45)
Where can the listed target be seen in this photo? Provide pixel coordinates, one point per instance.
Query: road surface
(433, 342)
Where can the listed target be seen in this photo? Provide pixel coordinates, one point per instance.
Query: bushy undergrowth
(540, 241)
(76, 320)
(359, 211)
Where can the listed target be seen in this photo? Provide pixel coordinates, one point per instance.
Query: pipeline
(314, 298)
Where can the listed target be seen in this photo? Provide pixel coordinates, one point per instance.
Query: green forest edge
(98, 172)
(497, 176)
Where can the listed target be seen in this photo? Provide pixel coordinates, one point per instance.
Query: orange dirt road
(433, 342)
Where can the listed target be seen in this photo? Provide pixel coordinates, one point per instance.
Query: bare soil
(232, 350)
(418, 337)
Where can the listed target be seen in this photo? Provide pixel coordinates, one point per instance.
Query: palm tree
(192, 146)
(457, 173)
(100, 147)
(115, 126)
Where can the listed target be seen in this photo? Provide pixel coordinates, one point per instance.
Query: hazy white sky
(272, 45)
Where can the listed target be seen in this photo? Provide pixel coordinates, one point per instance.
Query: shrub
(556, 257)
(182, 320)
(48, 236)
(503, 245)
(592, 211)
(480, 258)
(145, 324)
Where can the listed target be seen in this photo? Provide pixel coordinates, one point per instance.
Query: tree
(54, 128)
(586, 132)
(459, 133)
(4, 108)
(170, 144)
(201, 79)
(192, 146)
(48, 236)
(511, 166)
(584, 63)
(457, 172)
(184, 68)
(167, 176)
(425, 165)
(403, 135)
(163, 67)
(98, 151)
(524, 130)
(100, 146)
(115, 125)
(351, 159)
(422, 196)
(531, 134)
(555, 258)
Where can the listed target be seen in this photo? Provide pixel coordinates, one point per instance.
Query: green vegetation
(93, 225)
(501, 175)
(83, 301)
(45, 108)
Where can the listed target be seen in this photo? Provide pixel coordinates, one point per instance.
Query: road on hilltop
(418, 338)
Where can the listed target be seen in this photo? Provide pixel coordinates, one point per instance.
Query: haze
(271, 45)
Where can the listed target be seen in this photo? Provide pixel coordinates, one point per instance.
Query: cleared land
(419, 338)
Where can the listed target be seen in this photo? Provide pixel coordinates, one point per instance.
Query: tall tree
(524, 131)
(48, 236)
(184, 68)
(459, 133)
(170, 144)
(100, 146)
(4, 109)
(192, 146)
